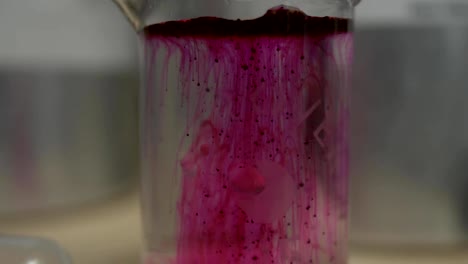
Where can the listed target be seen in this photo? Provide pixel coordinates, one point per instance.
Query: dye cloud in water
(264, 167)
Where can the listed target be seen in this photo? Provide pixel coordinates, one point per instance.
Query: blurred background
(68, 123)
(68, 133)
(68, 93)
(410, 126)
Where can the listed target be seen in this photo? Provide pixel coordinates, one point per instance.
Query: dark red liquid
(278, 22)
(263, 152)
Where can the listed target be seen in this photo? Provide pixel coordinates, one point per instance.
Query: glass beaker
(244, 117)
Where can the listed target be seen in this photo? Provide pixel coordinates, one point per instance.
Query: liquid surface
(261, 158)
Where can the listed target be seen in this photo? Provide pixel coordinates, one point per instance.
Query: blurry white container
(67, 103)
(410, 125)
(29, 250)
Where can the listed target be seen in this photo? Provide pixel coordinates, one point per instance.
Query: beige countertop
(110, 233)
(105, 233)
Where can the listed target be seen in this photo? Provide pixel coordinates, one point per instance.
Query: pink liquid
(261, 160)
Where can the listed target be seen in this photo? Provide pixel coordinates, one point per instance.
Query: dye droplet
(276, 197)
(246, 180)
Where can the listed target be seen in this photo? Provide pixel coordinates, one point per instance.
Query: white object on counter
(28, 250)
